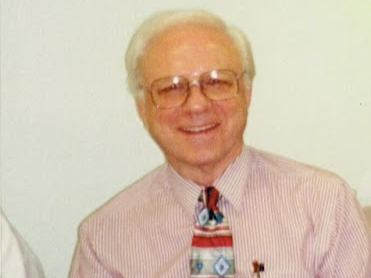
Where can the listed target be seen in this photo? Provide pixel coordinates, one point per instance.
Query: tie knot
(207, 208)
(212, 197)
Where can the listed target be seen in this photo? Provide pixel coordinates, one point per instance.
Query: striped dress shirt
(297, 220)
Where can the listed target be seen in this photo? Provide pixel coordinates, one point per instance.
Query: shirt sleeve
(86, 263)
(17, 259)
(349, 254)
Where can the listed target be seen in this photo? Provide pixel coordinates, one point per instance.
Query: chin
(202, 158)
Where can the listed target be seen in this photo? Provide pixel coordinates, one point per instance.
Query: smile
(197, 129)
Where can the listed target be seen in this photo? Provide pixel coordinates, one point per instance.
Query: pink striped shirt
(297, 220)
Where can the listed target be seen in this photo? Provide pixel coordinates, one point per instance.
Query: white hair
(158, 22)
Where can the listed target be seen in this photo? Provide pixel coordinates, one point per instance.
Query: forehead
(189, 48)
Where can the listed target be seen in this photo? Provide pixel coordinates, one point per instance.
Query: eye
(167, 89)
(171, 89)
(217, 83)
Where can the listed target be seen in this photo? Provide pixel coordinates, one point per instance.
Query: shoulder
(134, 197)
(285, 168)
(311, 186)
(314, 193)
(367, 211)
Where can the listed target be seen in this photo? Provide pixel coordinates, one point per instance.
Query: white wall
(70, 134)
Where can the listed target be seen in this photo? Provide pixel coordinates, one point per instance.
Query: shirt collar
(231, 184)
(184, 191)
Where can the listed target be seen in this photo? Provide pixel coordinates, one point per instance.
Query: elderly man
(216, 208)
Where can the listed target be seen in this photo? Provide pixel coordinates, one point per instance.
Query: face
(200, 133)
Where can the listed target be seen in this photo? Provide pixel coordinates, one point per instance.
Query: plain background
(70, 135)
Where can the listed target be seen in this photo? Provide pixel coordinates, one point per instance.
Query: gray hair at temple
(164, 20)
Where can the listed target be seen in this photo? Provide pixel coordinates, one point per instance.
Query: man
(17, 259)
(191, 76)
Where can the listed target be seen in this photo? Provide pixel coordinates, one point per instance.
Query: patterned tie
(212, 246)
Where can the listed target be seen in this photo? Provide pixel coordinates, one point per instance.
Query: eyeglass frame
(197, 83)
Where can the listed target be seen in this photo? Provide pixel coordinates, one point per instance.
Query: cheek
(237, 109)
(237, 116)
(163, 121)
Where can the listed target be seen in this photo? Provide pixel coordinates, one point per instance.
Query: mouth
(199, 129)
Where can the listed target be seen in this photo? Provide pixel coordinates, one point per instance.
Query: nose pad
(196, 100)
(194, 83)
(195, 86)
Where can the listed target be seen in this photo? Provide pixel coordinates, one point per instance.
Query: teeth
(198, 128)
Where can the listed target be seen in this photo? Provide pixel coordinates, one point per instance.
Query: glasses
(216, 85)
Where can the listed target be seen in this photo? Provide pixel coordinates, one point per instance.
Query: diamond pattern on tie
(222, 266)
(203, 217)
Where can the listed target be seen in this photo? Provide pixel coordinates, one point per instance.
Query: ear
(142, 111)
(248, 91)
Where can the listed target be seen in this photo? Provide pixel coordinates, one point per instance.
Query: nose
(196, 101)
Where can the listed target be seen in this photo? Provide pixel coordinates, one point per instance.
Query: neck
(205, 174)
